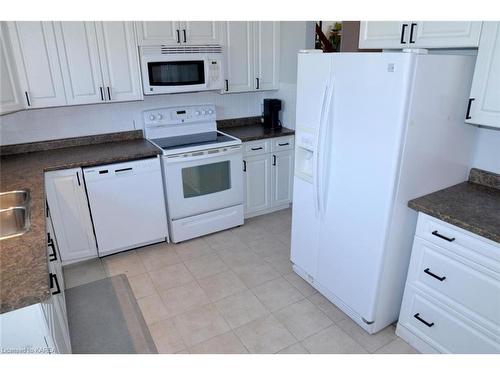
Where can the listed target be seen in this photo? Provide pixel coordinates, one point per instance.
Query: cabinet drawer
(459, 241)
(256, 147)
(282, 143)
(445, 330)
(466, 283)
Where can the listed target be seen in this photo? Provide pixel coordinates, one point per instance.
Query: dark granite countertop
(23, 259)
(472, 205)
(250, 129)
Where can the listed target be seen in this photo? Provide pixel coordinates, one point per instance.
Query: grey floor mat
(104, 318)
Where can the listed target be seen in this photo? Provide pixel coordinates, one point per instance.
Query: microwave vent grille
(166, 50)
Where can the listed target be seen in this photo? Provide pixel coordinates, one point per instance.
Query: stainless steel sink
(14, 213)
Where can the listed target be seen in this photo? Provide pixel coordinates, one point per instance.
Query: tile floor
(234, 292)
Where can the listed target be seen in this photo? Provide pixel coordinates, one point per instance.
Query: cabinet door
(258, 183)
(484, 96)
(77, 44)
(70, 214)
(384, 34)
(153, 33)
(447, 34)
(239, 46)
(282, 177)
(10, 98)
(35, 54)
(267, 53)
(119, 61)
(201, 32)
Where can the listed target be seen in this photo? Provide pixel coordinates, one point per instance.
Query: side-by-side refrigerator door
(364, 131)
(312, 83)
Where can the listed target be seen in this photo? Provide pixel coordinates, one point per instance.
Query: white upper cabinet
(419, 34)
(267, 45)
(119, 61)
(77, 44)
(35, 55)
(484, 102)
(179, 32)
(10, 95)
(239, 48)
(252, 56)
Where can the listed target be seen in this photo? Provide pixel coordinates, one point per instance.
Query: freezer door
(359, 164)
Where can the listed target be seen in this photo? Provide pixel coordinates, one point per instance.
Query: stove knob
(204, 112)
(210, 111)
(152, 117)
(160, 116)
(197, 113)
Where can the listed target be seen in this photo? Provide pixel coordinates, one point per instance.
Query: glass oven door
(203, 181)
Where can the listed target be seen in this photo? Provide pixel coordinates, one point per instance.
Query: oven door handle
(202, 156)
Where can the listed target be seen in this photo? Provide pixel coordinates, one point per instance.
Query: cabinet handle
(467, 115)
(184, 34)
(428, 272)
(53, 278)
(258, 83)
(437, 234)
(403, 28)
(178, 36)
(50, 243)
(109, 93)
(274, 160)
(283, 144)
(244, 165)
(256, 148)
(78, 179)
(102, 96)
(227, 85)
(412, 29)
(27, 98)
(417, 316)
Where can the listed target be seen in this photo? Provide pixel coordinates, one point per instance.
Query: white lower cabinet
(10, 94)
(451, 302)
(268, 173)
(70, 212)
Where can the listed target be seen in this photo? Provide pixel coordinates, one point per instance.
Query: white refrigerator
(373, 130)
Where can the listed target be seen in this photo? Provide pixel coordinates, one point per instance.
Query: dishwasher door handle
(123, 170)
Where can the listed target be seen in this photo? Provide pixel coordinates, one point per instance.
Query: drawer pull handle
(50, 243)
(256, 148)
(283, 144)
(417, 316)
(53, 278)
(442, 278)
(436, 233)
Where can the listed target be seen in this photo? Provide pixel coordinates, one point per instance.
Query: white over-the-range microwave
(167, 70)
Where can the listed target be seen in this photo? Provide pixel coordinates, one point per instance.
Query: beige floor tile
(297, 348)
(185, 351)
(240, 308)
(170, 276)
(276, 294)
(158, 256)
(332, 341)
(194, 248)
(127, 263)
(141, 285)
(332, 311)
(201, 324)
(265, 335)
(298, 282)
(167, 338)
(280, 263)
(303, 319)
(227, 343)
(267, 246)
(285, 237)
(152, 308)
(397, 346)
(250, 231)
(238, 258)
(370, 342)
(221, 285)
(83, 273)
(206, 266)
(224, 240)
(183, 298)
(256, 274)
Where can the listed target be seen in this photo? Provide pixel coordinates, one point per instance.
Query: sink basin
(13, 222)
(15, 198)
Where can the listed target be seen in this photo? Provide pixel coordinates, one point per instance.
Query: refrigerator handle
(326, 137)
(316, 155)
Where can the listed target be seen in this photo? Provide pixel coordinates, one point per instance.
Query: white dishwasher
(127, 204)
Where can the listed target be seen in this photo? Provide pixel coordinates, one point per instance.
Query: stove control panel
(179, 115)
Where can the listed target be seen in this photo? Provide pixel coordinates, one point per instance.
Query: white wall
(487, 152)
(64, 122)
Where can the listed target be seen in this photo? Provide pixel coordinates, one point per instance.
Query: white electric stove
(203, 174)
